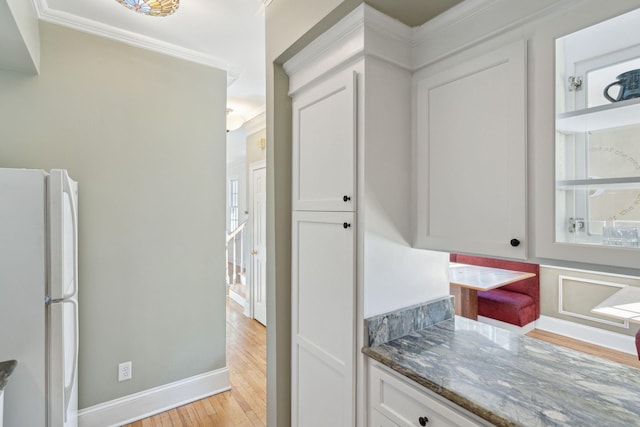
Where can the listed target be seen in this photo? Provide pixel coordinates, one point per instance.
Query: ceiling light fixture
(234, 121)
(151, 7)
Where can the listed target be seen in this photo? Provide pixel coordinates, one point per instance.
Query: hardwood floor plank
(175, 418)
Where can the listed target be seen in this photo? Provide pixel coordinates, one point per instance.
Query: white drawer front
(405, 404)
(376, 419)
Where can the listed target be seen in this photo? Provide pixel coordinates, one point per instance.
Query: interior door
(258, 244)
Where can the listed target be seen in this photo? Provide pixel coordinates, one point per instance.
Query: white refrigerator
(38, 297)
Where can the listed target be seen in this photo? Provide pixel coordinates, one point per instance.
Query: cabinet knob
(423, 421)
(346, 198)
(515, 242)
(346, 225)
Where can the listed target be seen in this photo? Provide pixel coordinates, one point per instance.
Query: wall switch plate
(124, 371)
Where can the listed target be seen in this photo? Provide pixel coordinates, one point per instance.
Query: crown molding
(256, 124)
(364, 31)
(387, 38)
(133, 39)
(338, 44)
(466, 25)
(458, 13)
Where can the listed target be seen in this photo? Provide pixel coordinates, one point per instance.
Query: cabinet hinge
(576, 225)
(575, 83)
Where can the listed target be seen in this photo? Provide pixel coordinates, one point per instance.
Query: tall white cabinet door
(324, 144)
(323, 321)
(471, 155)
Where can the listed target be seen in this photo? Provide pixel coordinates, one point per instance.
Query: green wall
(144, 135)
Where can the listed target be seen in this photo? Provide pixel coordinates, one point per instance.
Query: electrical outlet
(124, 371)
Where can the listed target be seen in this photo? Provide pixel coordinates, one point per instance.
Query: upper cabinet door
(324, 145)
(597, 155)
(471, 155)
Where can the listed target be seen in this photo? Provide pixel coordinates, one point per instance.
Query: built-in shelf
(626, 183)
(608, 116)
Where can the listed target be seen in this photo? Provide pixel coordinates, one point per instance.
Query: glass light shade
(152, 7)
(234, 121)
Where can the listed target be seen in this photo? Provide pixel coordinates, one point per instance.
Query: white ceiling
(226, 34)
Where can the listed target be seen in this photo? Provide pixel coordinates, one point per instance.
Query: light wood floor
(605, 353)
(245, 404)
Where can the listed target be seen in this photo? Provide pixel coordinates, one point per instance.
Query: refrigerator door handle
(68, 188)
(63, 232)
(68, 389)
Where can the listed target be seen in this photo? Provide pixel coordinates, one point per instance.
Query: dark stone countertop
(6, 368)
(513, 380)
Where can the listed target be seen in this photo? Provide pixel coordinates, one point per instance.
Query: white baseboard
(237, 298)
(508, 326)
(146, 403)
(601, 337)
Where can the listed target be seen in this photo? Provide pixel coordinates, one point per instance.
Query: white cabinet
(471, 175)
(376, 419)
(324, 145)
(323, 322)
(397, 401)
(323, 284)
(597, 155)
(351, 164)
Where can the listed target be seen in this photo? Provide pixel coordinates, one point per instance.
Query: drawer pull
(346, 198)
(346, 225)
(423, 421)
(515, 242)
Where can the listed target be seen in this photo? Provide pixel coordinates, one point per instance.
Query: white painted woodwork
(403, 402)
(323, 324)
(19, 37)
(363, 31)
(480, 54)
(324, 144)
(258, 215)
(471, 155)
(608, 116)
(376, 419)
(602, 44)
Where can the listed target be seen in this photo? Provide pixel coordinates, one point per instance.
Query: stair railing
(235, 239)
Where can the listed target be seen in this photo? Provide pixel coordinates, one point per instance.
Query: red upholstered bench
(517, 303)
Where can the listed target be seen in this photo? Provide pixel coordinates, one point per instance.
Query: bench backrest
(530, 286)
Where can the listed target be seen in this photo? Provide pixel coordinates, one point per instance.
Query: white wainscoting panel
(566, 281)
